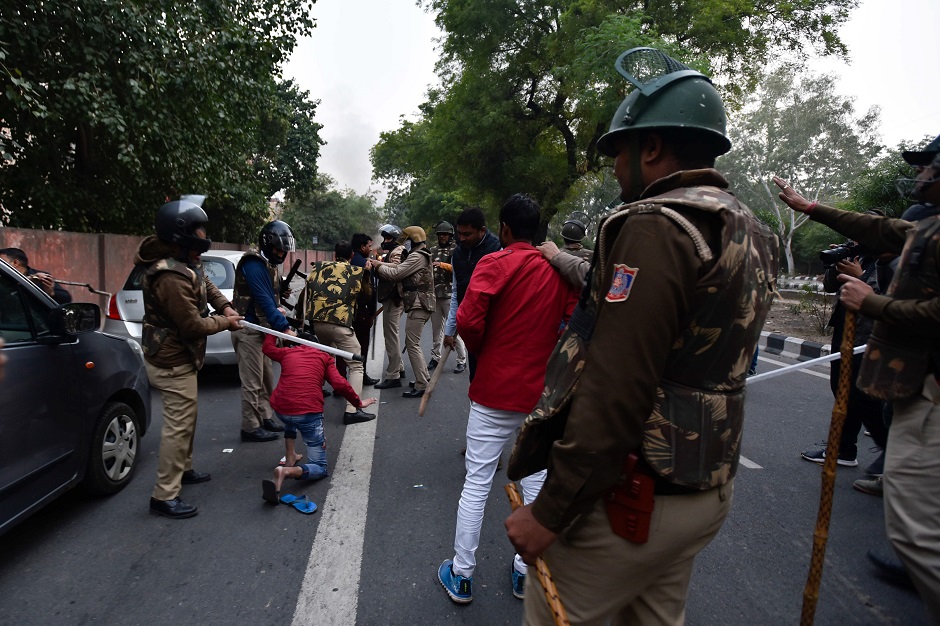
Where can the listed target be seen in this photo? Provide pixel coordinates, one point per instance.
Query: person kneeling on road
(297, 402)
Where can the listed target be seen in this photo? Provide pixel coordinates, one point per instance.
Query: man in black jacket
(20, 262)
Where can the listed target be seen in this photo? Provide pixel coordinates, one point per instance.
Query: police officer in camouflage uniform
(573, 231)
(441, 256)
(334, 292)
(390, 296)
(176, 296)
(257, 297)
(902, 363)
(414, 273)
(641, 418)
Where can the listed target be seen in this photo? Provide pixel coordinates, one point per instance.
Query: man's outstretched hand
(791, 198)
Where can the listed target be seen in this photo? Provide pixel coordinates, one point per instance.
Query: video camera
(848, 250)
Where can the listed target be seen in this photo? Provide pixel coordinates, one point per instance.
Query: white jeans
(487, 432)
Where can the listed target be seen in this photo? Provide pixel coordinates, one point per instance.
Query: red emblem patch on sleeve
(622, 282)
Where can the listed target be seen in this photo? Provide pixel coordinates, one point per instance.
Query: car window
(21, 315)
(220, 271)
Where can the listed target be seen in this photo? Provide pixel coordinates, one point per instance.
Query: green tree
(110, 108)
(530, 87)
(330, 215)
(795, 126)
(877, 186)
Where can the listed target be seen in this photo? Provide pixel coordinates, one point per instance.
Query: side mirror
(75, 318)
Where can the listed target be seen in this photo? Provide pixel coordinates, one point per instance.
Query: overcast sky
(370, 62)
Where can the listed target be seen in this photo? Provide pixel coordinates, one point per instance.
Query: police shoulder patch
(621, 283)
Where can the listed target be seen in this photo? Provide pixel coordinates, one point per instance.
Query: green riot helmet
(668, 94)
(444, 228)
(573, 230)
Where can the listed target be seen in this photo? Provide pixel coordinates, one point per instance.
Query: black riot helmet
(573, 230)
(275, 241)
(176, 223)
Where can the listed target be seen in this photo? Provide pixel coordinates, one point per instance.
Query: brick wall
(102, 260)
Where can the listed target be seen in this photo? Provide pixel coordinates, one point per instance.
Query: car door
(40, 413)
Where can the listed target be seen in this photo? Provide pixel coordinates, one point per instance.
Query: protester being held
(442, 254)
(365, 313)
(335, 290)
(511, 316)
(417, 284)
(20, 262)
(641, 419)
(176, 295)
(297, 401)
(390, 297)
(257, 297)
(475, 242)
(901, 363)
(862, 409)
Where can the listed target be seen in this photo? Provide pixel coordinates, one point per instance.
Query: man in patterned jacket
(335, 290)
(442, 258)
(641, 418)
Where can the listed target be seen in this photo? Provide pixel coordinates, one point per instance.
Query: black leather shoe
(414, 393)
(174, 509)
(388, 383)
(192, 477)
(411, 384)
(272, 426)
(460, 368)
(432, 365)
(890, 569)
(368, 380)
(357, 418)
(258, 434)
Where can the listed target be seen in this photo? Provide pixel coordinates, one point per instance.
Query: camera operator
(902, 363)
(858, 262)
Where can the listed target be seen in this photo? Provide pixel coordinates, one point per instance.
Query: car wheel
(114, 447)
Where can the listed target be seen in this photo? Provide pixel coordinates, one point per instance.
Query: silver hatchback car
(126, 308)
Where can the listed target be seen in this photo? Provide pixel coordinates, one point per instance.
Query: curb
(799, 349)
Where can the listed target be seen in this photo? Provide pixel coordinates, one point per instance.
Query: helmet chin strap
(636, 175)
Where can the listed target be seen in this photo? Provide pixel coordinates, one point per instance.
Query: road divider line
(330, 590)
(781, 364)
(748, 463)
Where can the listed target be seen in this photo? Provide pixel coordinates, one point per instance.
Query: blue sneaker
(518, 583)
(459, 588)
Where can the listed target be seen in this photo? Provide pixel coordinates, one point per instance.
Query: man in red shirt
(298, 402)
(522, 304)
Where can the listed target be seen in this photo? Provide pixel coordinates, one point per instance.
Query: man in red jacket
(522, 303)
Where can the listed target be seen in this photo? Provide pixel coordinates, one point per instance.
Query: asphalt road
(385, 522)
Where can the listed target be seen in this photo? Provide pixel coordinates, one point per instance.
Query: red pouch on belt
(630, 504)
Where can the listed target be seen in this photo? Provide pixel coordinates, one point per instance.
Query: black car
(74, 402)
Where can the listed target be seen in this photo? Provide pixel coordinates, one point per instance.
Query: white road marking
(748, 463)
(781, 364)
(330, 591)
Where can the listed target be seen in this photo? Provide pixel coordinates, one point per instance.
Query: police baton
(312, 344)
(434, 378)
(544, 576)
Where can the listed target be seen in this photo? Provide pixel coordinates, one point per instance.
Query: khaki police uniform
(390, 296)
(176, 324)
(443, 289)
(653, 362)
(417, 283)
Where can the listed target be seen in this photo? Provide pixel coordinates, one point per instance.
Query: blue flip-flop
(305, 506)
(289, 498)
(269, 491)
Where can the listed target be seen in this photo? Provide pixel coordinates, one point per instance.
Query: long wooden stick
(541, 570)
(821, 534)
(434, 379)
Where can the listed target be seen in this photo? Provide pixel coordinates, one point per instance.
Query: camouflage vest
(387, 289)
(443, 280)
(158, 328)
(331, 292)
(418, 288)
(898, 358)
(242, 300)
(694, 433)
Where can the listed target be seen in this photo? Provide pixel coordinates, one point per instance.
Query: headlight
(136, 349)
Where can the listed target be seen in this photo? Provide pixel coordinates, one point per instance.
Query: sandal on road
(305, 506)
(269, 492)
